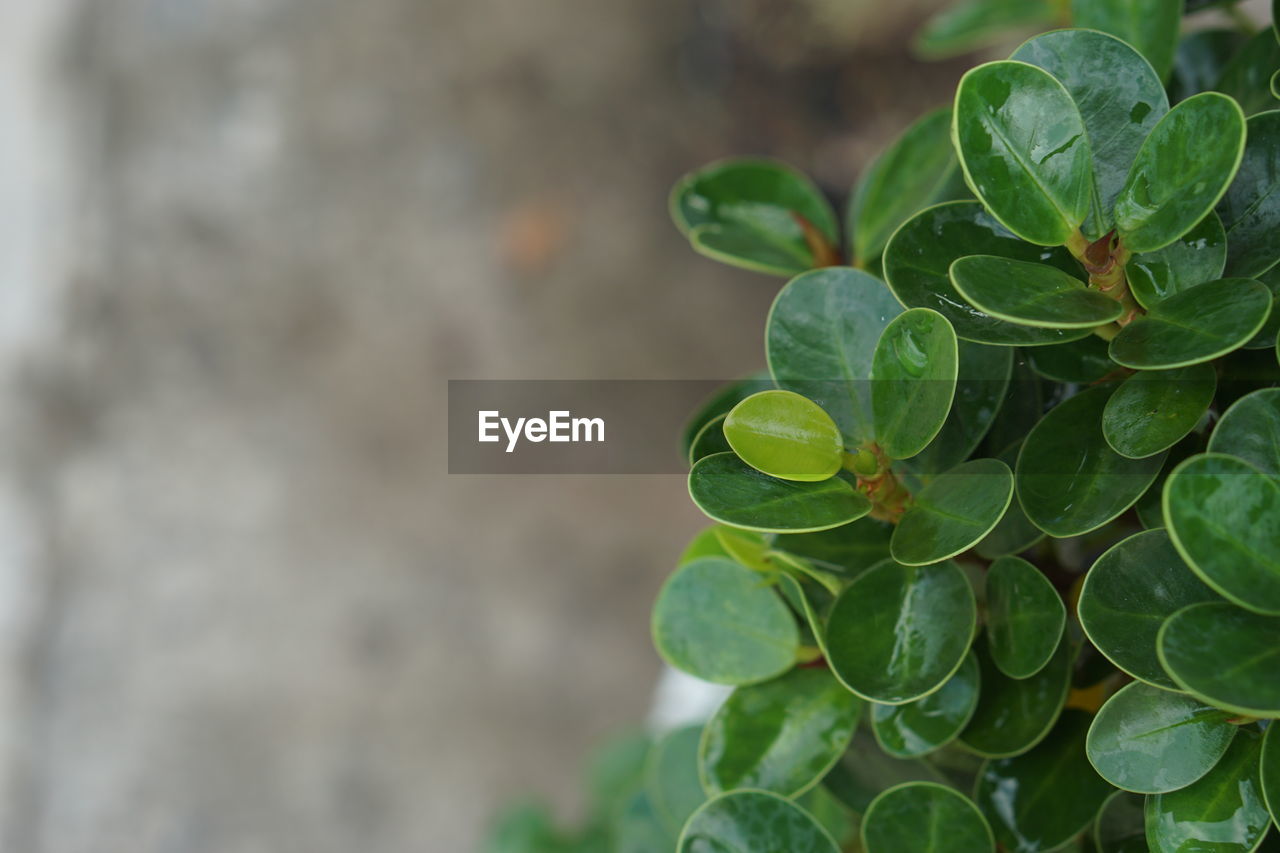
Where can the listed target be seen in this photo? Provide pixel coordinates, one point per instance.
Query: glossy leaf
(852, 548)
(705, 544)
(910, 175)
(1224, 518)
(821, 336)
(1222, 812)
(898, 633)
(953, 512)
(753, 214)
(671, 777)
(1225, 656)
(917, 265)
(1269, 774)
(1069, 479)
(1040, 800)
(1085, 361)
(1247, 77)
(1151, 741)
(1195, 325)
(1129, 593)
(1250, 430)
(1031, 294)
(1198, 256)
(913, 374)
(971, 24)
(1266, 336)
(1182, 169)
(730, 491)
(925, 725)
(1153, 409)
(1015, 714)
(710, 439)
(1251, 208)
(781, 736)
(785, 435)
(753, 822)
(1121, 826)
(745, 547)
(1015, 532)
(1024, 150)
(723, 623)
(981, 385)
(1120, 99)
(1025, 617)
(865, 771)
(924, 817)
(1151, 26)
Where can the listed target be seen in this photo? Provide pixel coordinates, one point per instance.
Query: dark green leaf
(1270, 329)
(1270, 771)
(1200, 59)
(913, 374)
(723, 623)
(925, 725)
(981, 385)
(953, 512)
(1198, 256)
(1084, 361)
(1247, 77)
(1015, 532)
(1251, 208)
(1151, 741)
(1025, 617)
(865, 771)
(1024, 150)
(752, 214)
(832, 814)
(784, 435)
(1069, 479)
(971, 24)
(1129, 593)
(924, 817)
(1153, 409)
(852, 548)
(910, 174)
(1225, 656)
(1031, 294)
(753, 822)
(1122, 825)
(637, 827)
(1223, 516)
(671, 777)
(730, 491)
(1040, 800)
(1182, 169)
(1013, 714)
(1222, 812)
(710, 439)
(917, 264)
(897, 633)
(821, 336)
(1250, 430)
(1195, 325)
(781, 736)
(1151, 26)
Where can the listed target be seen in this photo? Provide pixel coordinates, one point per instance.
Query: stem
(824, 254)
(1104, 259)
(889, 497)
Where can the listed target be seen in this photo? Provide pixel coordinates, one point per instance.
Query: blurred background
(243, 245)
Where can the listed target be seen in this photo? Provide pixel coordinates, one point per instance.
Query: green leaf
(953, 512)
(1025, 617)
(636, 826)
(1120, 99)
(1021, 410)
(1040, 800)
(1223, 516)
(1069, 479)
(910, 174)
(752, 214)
(745, 547)
(917, 265)
(723, 623)
(719, 404)
(1247, 77)
(781, 736)
(784, 435)
(753, 822)
(1015, 532)
(1031, 294)
(1129, 593)
(1198, 324)
(1250, 209)
(1024, 150)
(1084, 361)
(865, 771)
(1225, 656)
(833, 815)
(898, 633)
(981, 384)
(924, 817)
(730, 491)
(1121, 825)
(1151, 26)
(913, 374)
(820, 339)
(710, 439)
(1270, 771)
(1015, 714)
(671, 777)
(1153, 409)
(1198, 256)
(1151, 741)
(1222, 812)
(1200, 59)
(1183, 168)
(812, 600)
(971, 24)
(1250, 430)
(1271, 328)
(925, 725)
(852, 548)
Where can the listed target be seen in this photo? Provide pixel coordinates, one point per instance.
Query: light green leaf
(785, 435)
(730, 491)
(724, 399)
(913, 374)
